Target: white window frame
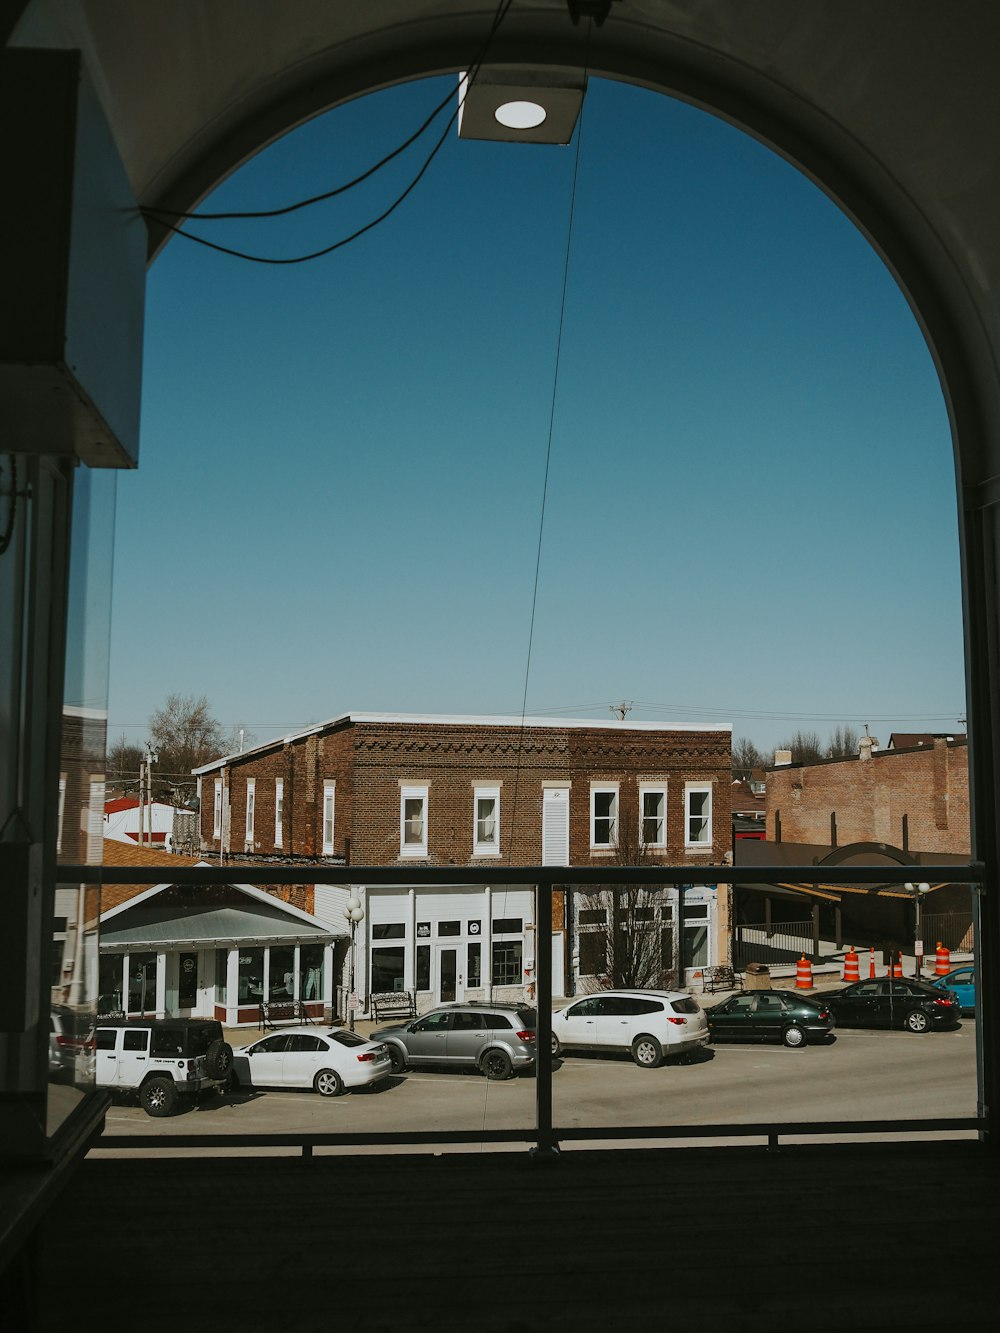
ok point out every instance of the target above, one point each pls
(250, 811)
(279, 810)
(217, 810)
(651, 789)
(412, 793)
(597, 789)
(480, 847)
(329, 827)
(696, 789)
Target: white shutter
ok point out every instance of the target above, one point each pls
(555, 826)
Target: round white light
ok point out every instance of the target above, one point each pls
(351, 904)
(520, 115)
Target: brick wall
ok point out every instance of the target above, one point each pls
(869, 798)
(370, 760)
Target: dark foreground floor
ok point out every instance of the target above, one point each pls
(722, 1239)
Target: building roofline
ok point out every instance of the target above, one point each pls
(462, 720)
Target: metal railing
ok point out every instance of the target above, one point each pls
(544, 1135)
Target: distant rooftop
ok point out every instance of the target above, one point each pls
(466, 720)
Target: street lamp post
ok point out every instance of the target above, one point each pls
(354, 913)
(918, 891)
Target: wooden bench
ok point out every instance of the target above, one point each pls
(393, 1004)
(721, 978)
(273, 1012)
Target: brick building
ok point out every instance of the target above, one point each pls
(906, 805)
(913, 797)
(412, 790)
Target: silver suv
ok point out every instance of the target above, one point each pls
(162, 1059)
(494, 1038)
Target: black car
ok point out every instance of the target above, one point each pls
(770, 1015)
(894, 1002)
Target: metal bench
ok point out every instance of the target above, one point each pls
(273, 1012)
(393, 1004)
(721, 978)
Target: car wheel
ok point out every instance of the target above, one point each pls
(397, 1060)
(647, 1052)
(916, 1021)
(496, 1064)
(793, 1036)
(328, 1083)
(218, 1059)
(158, 1097)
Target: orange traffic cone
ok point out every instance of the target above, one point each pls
(943, 961)
(803, 974)
(871, 963)
(897, 967)
(851, 972)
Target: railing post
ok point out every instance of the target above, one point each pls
(546, 1145)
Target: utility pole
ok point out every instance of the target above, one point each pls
(621, 709)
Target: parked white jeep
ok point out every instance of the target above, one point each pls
(162, 1059)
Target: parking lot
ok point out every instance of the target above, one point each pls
(859, 1075)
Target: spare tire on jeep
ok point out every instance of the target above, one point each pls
(219, 1059)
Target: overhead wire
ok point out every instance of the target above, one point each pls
(162, 216)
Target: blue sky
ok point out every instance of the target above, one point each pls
(751, 509)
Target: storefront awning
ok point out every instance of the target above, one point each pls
(164, 928)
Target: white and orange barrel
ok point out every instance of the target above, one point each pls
(942, 963)
(897, 966)
(851, 972)
(803, 974)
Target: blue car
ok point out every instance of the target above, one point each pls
(961, 980)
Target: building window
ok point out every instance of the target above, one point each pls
(394, 930)
(696, 935)
(279, 810)
(653, 806)
(449, 928)
(387, 969)
(593, 953)
(413, 821)
(312, 962)
(329, 795)
(486, 835)
(222, 976)
(508, 925)
(507, 963)
(250, 976)
(604, 816)
(475, 968)
(251, 798)
(698, 816)
(423, 967)
(217, 810)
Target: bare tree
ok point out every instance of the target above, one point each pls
(185, 735)
(746, 757)
(806, 747)
(625, 940)
(122, 766)
(844, 740)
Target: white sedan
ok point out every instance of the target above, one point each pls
(329, 1060)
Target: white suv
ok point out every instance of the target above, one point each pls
(651, 1024)
(162, 1059)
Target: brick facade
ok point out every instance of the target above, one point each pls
(370, 758)
(915, 799)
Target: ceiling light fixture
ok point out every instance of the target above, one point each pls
(520, 115)
(520, 104)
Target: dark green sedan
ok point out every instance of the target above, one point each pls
(770, 1015)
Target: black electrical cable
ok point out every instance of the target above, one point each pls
(162, 216)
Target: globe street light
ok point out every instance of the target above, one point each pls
(918, 891)
(354, 913)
